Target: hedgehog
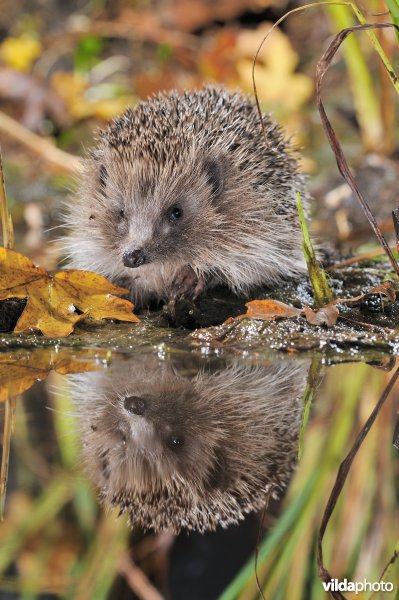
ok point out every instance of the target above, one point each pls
(196, 451)
(183, 192)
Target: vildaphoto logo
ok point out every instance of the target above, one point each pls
(335, 585)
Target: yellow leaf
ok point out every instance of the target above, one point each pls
(20, 52)
(277, 53)
(74, 88)
(53, 299)
(276, 81)
(274, 87)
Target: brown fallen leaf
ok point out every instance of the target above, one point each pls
(268, 310)
(386, 289)
(327, 315)
(53, 299)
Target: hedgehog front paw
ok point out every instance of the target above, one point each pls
(186, 282)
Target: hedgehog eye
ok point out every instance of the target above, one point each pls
(175, 442)
(174, 213)
(103, 176)
(121, 214)
(214, 176)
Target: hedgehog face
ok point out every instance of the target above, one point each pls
(155, 213)
(186, 180)
(190, 452)
(152, 439)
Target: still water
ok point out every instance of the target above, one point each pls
(158, 474)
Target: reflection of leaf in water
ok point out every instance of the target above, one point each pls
(53, 299)
(19, 372)
(314, 380)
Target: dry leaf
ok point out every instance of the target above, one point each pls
(20, 52)
(327, 315)
(268, 310)
(84, 101)
(277, 82)
(387, 289)
(53, 299)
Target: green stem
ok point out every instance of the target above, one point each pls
(6, 222)
(321, 290)
(364, 96)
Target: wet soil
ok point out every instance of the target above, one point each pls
(365, 330)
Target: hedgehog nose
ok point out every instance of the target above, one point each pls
(133, 258)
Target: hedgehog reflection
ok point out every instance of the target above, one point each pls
(195, 451)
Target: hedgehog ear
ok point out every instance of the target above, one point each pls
(214, 172)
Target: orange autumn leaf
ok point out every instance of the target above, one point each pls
(54, 298)
(268, 310)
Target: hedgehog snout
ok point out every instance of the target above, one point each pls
(134, 258)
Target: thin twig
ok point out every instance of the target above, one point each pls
(276, 24)
(138, 580)
(321, 69)
(391, 561)
(9, 415)
(340, 481)
(359, 258)
(58, 159)
(377, 328)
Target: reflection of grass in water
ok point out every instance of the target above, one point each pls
(362, 533)
(61, 543)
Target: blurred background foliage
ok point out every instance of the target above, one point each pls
(68, 67)
(65, 69)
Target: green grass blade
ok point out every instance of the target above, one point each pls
(363, 88)
(393, 7)
(5, 217)
(318, 278)
(54, 497)
(311, 386)
(287, 520)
